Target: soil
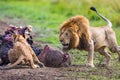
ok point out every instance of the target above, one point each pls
(47, 73)
(3, 26)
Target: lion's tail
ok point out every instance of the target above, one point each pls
(109, 23)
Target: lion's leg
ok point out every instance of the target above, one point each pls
(37, 60)
(10, 56)
(32, 64)
(104, 52)
(116, 49)
(17, 62)
(90, 54)
(14, 64)
(118, 55)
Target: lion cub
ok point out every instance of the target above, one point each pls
(21, 52)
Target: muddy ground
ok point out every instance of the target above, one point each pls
(64, 73)
(26, 73)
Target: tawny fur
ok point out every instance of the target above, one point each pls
(78, 26)
(77, 33)
(22, 52)
(104, 37)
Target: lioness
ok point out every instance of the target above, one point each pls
(76, 33)
(21, 52)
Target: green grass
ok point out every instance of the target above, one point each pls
(49, 15)
(46, 16)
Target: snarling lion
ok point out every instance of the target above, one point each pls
(76, 33)
(21, 52)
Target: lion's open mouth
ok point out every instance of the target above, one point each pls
(65, 45)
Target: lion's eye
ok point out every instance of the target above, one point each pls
(66, 34)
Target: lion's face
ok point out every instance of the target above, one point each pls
(18, 37)
(74, 33)
(65, 38)
(68, 38)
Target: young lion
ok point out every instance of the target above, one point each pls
(21, 52)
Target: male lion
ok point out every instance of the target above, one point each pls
(21, 52)
(76, 33)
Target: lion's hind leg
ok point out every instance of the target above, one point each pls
(37, 60)
(14, 64)
(12, 56)
(117, 50)
(32, 63)
(104, 52)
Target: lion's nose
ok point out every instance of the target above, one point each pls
(61, 40)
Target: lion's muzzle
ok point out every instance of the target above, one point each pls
(65, 45)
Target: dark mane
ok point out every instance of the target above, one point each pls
(83, 44)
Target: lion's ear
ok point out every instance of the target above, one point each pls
(15, 37)
(25, 36)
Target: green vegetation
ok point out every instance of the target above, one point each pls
(46, 16)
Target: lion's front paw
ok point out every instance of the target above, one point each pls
(35, 66)
(90, 65)
(42, 65)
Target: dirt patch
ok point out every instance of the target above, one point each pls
(74, 72)
(3, 26)
(26, 73)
